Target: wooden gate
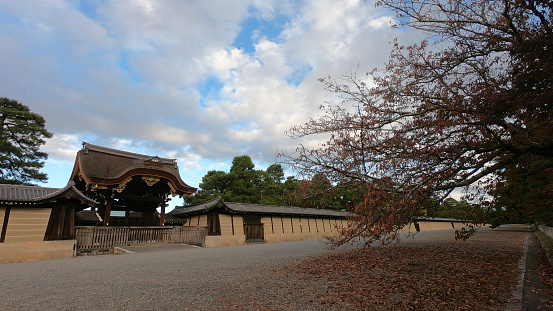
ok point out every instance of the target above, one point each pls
(254, 232)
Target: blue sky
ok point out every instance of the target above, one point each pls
(198, 81)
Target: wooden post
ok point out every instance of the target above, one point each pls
(5, 224)
(70, 220)
(162, 214)
(152, 215)
(61, 223)
(107, 212)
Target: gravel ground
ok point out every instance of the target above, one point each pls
(249, 277)
(181, 278)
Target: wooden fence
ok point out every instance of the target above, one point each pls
(101, 238)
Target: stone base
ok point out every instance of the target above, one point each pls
(31, 251)
(220, 240)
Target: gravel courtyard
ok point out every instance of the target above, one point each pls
(249, 277)
(179, 277)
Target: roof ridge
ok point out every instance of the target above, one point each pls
(219, 198)
(286, 206)
(27, 187)
(128, 154)
(37, 194)
(70, 186)
(258, 208)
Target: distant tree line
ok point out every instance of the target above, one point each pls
(245, 184)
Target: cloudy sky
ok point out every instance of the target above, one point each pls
(199, 81)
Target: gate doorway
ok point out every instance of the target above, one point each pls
(254, 233)
(253, 229)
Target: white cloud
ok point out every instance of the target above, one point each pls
(146, 6)
(121, 144)
(128, 73)
(223, 61)
(62, 148)
(382, 22)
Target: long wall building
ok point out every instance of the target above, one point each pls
(232, 223)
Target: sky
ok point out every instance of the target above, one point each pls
(197, 81)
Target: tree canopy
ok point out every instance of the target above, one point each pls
(469, 107)
(22, 133)
(243, 183)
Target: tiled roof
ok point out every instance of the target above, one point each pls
(247, 208)
(23, 193)
(87, 147)
(109, 167)
(438, 219)
(190, 209)
(283, 210)
(37, 195)
(170, 219)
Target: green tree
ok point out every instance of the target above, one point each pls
(214, 184)
(525, 194)
(320, 192)
(241, 184)
(244, 184)
(451, 208)
(291, 188)
(22, 133)
(275, 173)
(273, 187)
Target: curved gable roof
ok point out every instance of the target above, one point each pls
(109, 167)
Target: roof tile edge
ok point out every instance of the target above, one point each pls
(128, 154)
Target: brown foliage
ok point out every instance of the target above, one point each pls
(475, 275)
(462, 109)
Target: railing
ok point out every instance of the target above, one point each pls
(101, 238)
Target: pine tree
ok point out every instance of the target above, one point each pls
(22, 133)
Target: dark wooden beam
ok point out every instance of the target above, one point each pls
(162, 215)
(5, 224)
(61, 222)
(71, 222)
